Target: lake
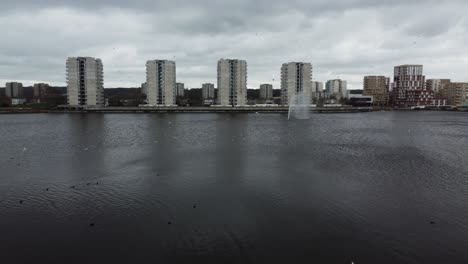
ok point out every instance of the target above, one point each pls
(380, 187)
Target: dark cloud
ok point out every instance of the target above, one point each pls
(347, 38)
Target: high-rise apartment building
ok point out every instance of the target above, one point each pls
(378, 87)
(208, 91)
(409, 86)
(85, 81)
(266, 91)
(161, 81)
(14, 89)
(232, 82)
(337, 88)
(180, 89)
(296, 83)
(40, 90)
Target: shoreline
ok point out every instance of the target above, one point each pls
(199, 110)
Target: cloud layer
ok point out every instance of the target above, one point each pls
(345, 39)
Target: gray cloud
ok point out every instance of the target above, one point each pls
(346, 39)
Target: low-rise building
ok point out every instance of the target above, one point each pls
(18, 101)
(358, 98)
(208, 102)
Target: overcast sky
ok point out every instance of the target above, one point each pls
(344, 39)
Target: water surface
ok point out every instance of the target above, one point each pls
(234, 188)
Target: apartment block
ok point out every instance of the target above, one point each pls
(161, 82)
(40, 90)
(14, 89)
(180, 89)
(337, 88)
(409, 86)
(378, 87)
(208, 91)
(266, 91)
(317, 91)
(232, 82)
(296, 83)
(459, 95)
(85, 81)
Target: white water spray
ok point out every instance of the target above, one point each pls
(299, 106)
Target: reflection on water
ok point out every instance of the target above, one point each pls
(386, 187)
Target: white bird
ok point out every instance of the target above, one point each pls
(24, 149)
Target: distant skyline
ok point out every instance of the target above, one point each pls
(342, 39)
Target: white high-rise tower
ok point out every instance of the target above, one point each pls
(232, 82)
(161, 82)
(296, 81)
(85, 81)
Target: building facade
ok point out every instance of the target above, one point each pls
(232, 82)
(266, 91)
(317, 91)
(144, 88)
(358, 98)
(378, 87)
(208, 91)
(441, 89)
(161, 82)
(180, 89)
(18, 101)
(14, 89)
(40, 90)
(337, 88)
(296, 83)
(317, 87)
(409, 86)
(85, 81)
(437, 85)
(459, 96)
